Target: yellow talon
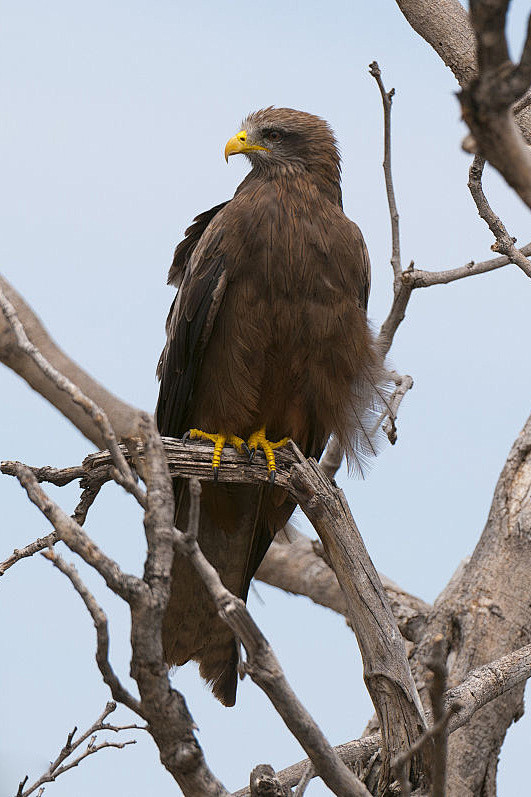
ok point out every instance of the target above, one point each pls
(220, 440)
(259, 440)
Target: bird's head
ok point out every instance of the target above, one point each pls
(283, 140)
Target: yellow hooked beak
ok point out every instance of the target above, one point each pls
(239, 143)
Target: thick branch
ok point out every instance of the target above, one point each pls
(386, 669)
(482, 686)
(484, 614)
(300, 566)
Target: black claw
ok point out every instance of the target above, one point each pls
(272, 478)
(246, 449)
(252, 452)
(216, 471)
(186, 436)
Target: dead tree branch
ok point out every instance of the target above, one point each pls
(118, 692)
(263, 783)
(487, 100)
(386, 669)
(263, 666)
(57, 767)
(504, 242)
(55, 476)
(387, 101)
(481, 687)
(483, 615)
(300, 566)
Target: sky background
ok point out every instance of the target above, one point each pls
(115, 116)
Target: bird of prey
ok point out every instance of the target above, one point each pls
(267, 339)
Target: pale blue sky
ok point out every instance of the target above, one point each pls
(114, 120)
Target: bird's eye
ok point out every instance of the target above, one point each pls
(274, 136)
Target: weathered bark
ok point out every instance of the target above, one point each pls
(445, 25)
(483, 614)
(299, 565)
(385, 666)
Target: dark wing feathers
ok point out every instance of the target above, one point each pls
(184, 250)
(201, 285)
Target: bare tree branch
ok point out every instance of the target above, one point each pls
(386, 669)
(88, 496)
(57, 767)
(77, 540)
(118, 691)
(424, 279)
(437, 665)
(304, 781)
(263, 783)
(390, 414)
(263, 666)
(387, 101)
(504, 241)
(481, 686)
(487, 100)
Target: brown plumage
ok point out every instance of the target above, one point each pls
(269, 329)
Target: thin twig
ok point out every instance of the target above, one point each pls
(88, 496)
(387, 101)
(56, 768)
(479, 688)
(504, 242)
(126, 586)
(390, 414)
(419, 278)
(118, 691)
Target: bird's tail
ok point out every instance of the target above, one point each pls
(237, 525)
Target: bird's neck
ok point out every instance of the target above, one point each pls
(326, 180)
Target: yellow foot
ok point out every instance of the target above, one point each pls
(220, 440)
(259, 440)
